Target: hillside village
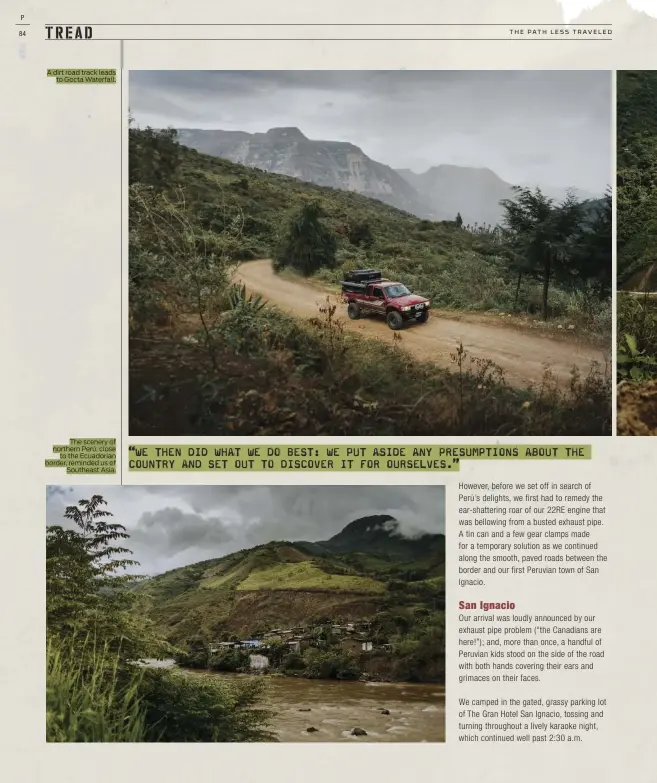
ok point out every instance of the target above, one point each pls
(354, 638)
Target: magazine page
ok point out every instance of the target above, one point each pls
(325, 333)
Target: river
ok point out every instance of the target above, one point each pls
(417, 712)
(334, 709)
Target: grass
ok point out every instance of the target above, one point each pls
(283, 376)
(91, 697)
(88, 699)
(307, 576)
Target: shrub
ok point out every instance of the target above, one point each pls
(309, 244)
(333, 664)
(200, 708)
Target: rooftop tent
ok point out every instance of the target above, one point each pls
(363, 276)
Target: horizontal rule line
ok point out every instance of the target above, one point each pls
(332, 24)
(514, 38)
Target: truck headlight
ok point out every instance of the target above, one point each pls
(406, 309)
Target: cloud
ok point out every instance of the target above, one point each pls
(543, 127)
(173, 526)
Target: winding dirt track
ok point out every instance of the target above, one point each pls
(522, 356)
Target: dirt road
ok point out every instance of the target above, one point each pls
(522, 356)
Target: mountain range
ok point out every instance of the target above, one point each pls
(367, 568)
(440, 193)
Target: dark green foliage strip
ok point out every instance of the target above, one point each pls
(637, 224)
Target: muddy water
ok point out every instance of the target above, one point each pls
(417, 712)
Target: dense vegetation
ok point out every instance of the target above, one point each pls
(637, 175)
(637, 232)
(95, 689)
(409, 647)
(252, 370)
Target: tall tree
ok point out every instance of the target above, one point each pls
(591, 259)
(544, 232)
(86, 582)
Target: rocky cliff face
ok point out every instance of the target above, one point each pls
(333, 164)
(438, 194)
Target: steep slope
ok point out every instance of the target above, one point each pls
(637, 174)
(268, 201)
(333, 164)
(287, 584)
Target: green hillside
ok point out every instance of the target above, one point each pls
(284, 584)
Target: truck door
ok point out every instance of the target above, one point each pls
(378, 300)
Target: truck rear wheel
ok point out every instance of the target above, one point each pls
(423, 317)
(394, 319)
(353, 311)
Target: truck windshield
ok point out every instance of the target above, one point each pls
(396, 290)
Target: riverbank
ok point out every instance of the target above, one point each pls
(330, 710)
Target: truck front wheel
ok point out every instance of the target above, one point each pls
(423, 317)
(394, 319)
(353, 311)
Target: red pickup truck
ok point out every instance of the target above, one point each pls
(366, 291)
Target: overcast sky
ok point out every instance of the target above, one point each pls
(546, 127)
(174, 526)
